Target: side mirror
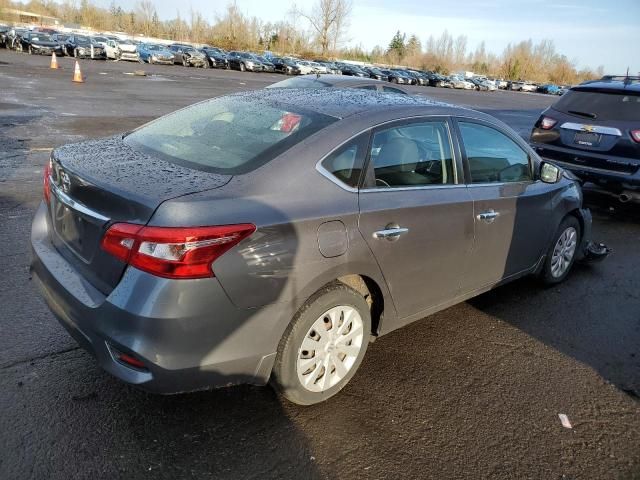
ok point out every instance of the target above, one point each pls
(549, 173)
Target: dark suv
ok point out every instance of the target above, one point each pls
(594, 131)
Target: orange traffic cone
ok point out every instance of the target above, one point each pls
(54, 61)
(77, 74)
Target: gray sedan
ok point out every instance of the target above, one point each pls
(268, 236)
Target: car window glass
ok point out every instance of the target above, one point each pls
(346, 162)
(493, 156)
(414, 154)
(393, 90)
(367, 87)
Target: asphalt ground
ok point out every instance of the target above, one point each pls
(471, 392)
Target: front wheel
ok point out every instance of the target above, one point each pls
(323, 346)
(243, 68)
(562, 252)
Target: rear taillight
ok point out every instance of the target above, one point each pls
(46, 182)
(173, 252)
(635, 135)
(547, 123)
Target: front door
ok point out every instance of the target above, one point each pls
(509, 206)
(414, 215)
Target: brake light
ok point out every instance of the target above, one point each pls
(547, 123)
(173, 252)
(635, 134)
(46, 182)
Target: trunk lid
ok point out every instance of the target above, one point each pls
(97, 183)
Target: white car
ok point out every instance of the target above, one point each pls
(112, 49)
(528, 87)
(128, 50)
(461, 83)
(304, 66)
(319, 68)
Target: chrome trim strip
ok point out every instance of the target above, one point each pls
(77, 206)
(580, 127)
(585, 168)
(435, 186)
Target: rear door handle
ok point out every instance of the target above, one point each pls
(390, 232)
(488, 216)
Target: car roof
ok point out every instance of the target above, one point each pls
(611, 84)
(342, 103)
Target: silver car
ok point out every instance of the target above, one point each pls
(269, 236)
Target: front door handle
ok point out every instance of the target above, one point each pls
(488, 216)
(391, 232)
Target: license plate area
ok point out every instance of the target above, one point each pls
(75, 231)
(587, 139)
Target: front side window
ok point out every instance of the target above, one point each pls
(492, 156)
(414, 154)
(228, 135)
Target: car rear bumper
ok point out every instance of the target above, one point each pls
(188, 334)
(597, 168)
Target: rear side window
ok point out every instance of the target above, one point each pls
(492, 156)
(345, 163)
(228, 135)
(600, 106)
(412, 155)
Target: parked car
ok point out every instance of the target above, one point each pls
(267, 65)
(395, 77)
(594, 131)
(82, 46)
(461, 83)
(244, 61)
(352, 70)
(548, 89)
(216, 56)
(192, 57)
(528, 87)
(13, 37)
(128, 50)
(152, 53)
(4, 31)
(331, 67)
(304, 67)
(60, 39)
(37, 43)
(216, 277)
(338, 81)
(376, 73)
(419, 78)
(286, 66)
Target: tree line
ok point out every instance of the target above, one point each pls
(320, 31)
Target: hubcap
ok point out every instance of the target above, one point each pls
(563, 252)
(330, 348)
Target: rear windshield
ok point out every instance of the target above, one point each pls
(600, 106)
(300, 82)
(227, 135)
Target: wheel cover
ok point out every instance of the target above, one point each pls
(330, 348)
(563, 252)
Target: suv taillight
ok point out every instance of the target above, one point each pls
(46, 182)
(547, 123)
(635, 135)
(173, 252)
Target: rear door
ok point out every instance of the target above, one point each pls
(510, 207)
(414, 214)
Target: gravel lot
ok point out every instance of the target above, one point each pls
(471, 392)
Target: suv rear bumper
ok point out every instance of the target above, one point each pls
(188, 333)
(619, 171)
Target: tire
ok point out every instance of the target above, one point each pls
(205, 64)
(324, 311)
(551, 273)
(184, 62)
(75, 53)
(243, 68)
(151, 61)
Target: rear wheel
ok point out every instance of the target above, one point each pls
(323, 346)
(562, 252)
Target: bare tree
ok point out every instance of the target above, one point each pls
(329, 19)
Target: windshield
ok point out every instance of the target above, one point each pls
(153, 47)
(600, 106)
(40, 37)
(100, 39)
(227, 135)
(81, 39)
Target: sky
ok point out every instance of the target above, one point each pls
(590, 32)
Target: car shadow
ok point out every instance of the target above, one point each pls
(593, 315)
